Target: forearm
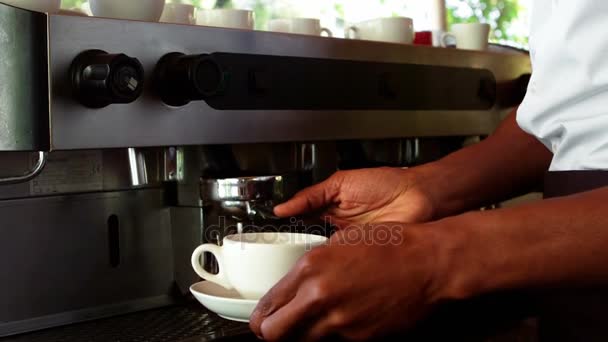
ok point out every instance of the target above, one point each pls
(508, 163)
(553, 243)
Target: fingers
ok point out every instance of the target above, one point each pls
(310, 199)
(291, 320)
(276, 298)
(323, 330)
(305, 322)
(280, 295)
(282, 307)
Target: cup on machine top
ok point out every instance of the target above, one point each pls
(468, 36)
(393, 30)
(144, 10)
(228, 18)
(178, 14)
(307, 26)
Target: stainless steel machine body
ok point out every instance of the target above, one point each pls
(108, 225)
(149, 122)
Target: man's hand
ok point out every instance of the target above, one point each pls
(364, 196)
(507, 164)
(365, 283)
(361, 286)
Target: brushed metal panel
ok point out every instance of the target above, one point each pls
(65, 167)
(148, 122)
(24, 94)
(187, 224)
(55, 256)
(187, 219)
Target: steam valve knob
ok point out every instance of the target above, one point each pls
(182, 78)
(100, 79)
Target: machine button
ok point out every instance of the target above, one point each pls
(100, 79)
(259, 81)
(387, 87)
(487, 91)
(182, 78)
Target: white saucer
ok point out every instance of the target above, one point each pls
(227, 304)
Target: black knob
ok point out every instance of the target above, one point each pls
(182, 78)
(100, 79)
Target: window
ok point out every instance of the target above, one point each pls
(509, 18)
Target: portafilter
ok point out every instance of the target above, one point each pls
(249, 198)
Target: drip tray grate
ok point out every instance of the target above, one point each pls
(190, 322)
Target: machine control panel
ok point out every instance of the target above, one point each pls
(232, 81)
(100, 78)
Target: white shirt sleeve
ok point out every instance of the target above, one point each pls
(567, 102)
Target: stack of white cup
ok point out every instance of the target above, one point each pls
(306, 26)
(176, 13)
(392, 29)
(144, 10)
(229, 18)
(179, 14)
(469, 36)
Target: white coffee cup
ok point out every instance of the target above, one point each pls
(470, 36)
(307, 26)
(178, 14)
(393, 29)
(143, 10)
(252, 263)
(48, 6)
(230, 18)
(443, 39)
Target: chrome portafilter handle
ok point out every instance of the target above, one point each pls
(249, 198)
(248, 210)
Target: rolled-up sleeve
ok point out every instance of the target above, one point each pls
(566, 106)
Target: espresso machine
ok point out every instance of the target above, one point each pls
(124, 145)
